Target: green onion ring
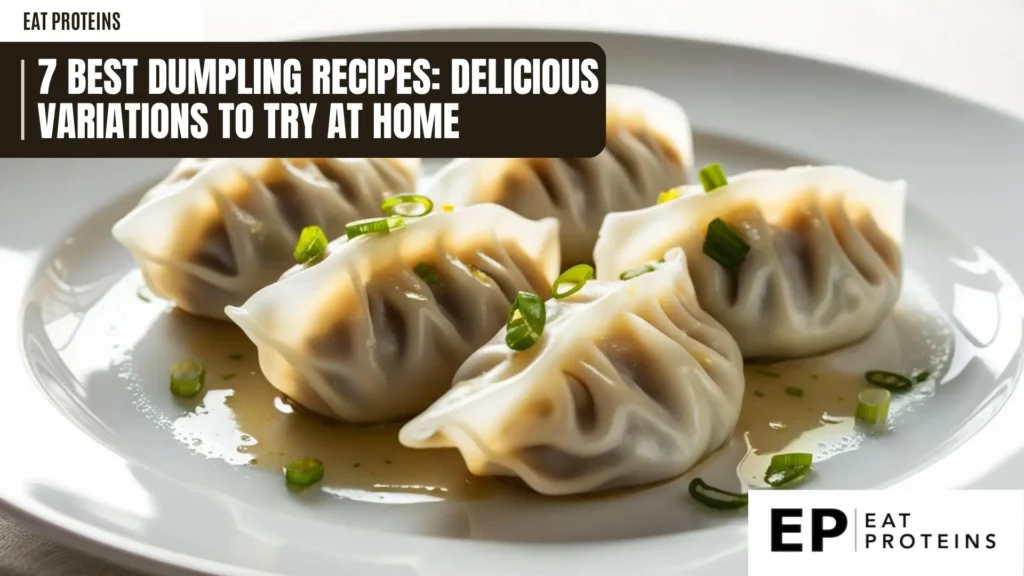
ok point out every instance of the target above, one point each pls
(638, 271)
(187, 378)
(716, 498)
(890, 380)
(312, 245)
(873, 407)
(391, 205)
(788, 469)
(577, 276)
(712, 176)
(373, 226)
(724, 245)
(526, 321)
(302, 474)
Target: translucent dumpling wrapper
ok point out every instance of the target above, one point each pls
(648, 150)
(824, 267)
(630, 383)
(216, 230)
(375, 331)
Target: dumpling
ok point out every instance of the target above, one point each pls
(630, 383)
(375, 331)
(824, 263)
(216, 230)
(648, 149)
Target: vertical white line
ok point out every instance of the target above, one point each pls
(23, 100)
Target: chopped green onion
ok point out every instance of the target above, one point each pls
(356, 465)
(758, 393)
(788, 469)
(889, 380)
(228, 376)
(712, 176)
(235, 356)
(525, 321)
(639, 271)
(427, 273)
(143, 295)
(302, 474)
(768, 373)
(312, 245)
(187, 378)
(716, 498)
(873, 407)
(394, 206)
(667, 196)
(921, 376)
(448, 208)
(795, 391)
(577, 276)
(724, 245)
(373, 226)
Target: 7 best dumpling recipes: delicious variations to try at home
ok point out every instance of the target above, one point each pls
(444, 312)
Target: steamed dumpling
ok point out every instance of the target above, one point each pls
(648, 150)
(216, 230)
(630, 383)
(375, 331)
(824, 267)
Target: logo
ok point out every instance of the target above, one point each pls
(818, 530)
(887, 532)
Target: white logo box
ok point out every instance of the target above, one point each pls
(887, 532)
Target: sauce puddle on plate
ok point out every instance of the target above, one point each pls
(797, 406)
(242, 419)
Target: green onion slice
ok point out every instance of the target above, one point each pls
(667, 196)
(302, 474)
(448, 207)
(525, 321)
(921, 376)
(890, 380)
(639, 271)
(410, 205)
(373, 226)
(312, 245)
(724, 245)
(187, 378)
(788, 469)
(712, 176)
(577, 276)
(873, 406)
(427, 273)
(795, 391)
(715, 497)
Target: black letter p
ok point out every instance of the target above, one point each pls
(818, 532)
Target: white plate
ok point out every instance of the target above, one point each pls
(88, 433)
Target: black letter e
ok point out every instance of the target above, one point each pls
(779, 528)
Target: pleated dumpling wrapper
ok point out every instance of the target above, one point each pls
(630, 383)
(217, 230)
(824, 266)
(648, 149)
(375, 331)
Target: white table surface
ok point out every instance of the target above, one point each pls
(973, 48)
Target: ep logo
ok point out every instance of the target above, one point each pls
(822, 523)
